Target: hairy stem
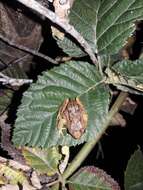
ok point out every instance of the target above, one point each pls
(86, 149)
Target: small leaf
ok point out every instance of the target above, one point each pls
(36, 121)
(43, 160)
(92, 178)
(134, 172)
(5, 99)
(132, 70)
(128, 74)
(105, 25)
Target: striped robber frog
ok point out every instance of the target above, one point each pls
(73, 117)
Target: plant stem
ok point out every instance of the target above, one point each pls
(86, 149)
(53, 183)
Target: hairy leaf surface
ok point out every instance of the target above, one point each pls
(37, 115)
(92, 178)
(105, 24)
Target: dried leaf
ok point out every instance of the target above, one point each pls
(9, 187)
(13, 176)
(5, 99)
(118, 120)
(62, 9)
(35, 180)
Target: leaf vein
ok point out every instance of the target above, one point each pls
(113, 22)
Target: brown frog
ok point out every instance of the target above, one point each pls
(73, 117)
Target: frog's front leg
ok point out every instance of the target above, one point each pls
(61, 126)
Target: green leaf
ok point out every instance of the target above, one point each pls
(36, 117)
(5, 99)
(132, 70)
(127, 73)
(105, 25)
(138, 186)
(134, 172)
(43, 160)
(92, 178)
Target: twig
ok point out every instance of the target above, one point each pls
(52, 183)
(12, 81)
(28, 50)
(34, 5)
(7, 145)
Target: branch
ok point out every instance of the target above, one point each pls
(34, 5)
(26, 49)
(12, 81)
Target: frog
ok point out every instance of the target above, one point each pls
(72, 117)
